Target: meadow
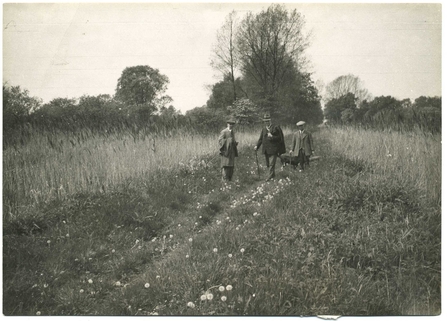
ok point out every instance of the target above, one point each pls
(144, 226)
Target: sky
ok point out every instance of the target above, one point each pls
(73, 49)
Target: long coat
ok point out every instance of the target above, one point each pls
(227, 147)
(302, 140)
(271, 145)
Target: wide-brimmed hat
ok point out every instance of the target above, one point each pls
(231, 121)
(266, 117)
(300, 123)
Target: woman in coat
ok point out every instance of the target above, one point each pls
(228, 150)
(302, 145)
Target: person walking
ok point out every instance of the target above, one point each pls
(302, 145)
(228, 150)
(272, 141)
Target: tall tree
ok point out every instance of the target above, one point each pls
(269, 44)
(347, 84)
(223, 55)
(140, 85)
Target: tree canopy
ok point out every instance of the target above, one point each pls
(140, 85)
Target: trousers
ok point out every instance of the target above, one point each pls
(271, 165)
(227, 173)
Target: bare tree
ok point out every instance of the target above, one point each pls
(223, 56)
(269, 44)
(344, 85)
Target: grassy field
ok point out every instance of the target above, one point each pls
(357, 233)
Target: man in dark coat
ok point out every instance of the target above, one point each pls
(272, 141)
(302, 145)
(228, 150)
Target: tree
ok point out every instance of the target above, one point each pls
(344, 85)
(223, 53)
(222, 93)
(268, 45)
(339, 110)
(140, 85)
(423, 102)
(17, 105)
(205, 119)
(245, 111)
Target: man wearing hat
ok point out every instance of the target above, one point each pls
(228, 150)
(302, 145)
(272, 140)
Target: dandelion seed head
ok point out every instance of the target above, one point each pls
(171, 236)
(215, 250)
(203, 297)
(221, 288)
(191, 305)
(81, 291)
(187, 256)
(38, 313)
(190, 239)
(209, 296)
(229, 287)
(230, 255)
(223, 298)
(147, 285)
(90, 281)
(242, 250)
(118, 283)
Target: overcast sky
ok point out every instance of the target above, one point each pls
(68, 50)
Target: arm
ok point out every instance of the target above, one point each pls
(222, 139)
(276, 135)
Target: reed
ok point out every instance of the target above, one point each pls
(412, 158)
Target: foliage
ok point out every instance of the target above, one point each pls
(340, 110)
(245, 111)
(386, 112)
(224, 57)
(205, 119)
(268, 45)
(17, 105)
(223, 93)
(343, 85)
(140, 85)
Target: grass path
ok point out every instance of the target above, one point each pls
(335, 239)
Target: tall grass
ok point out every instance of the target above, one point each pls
(344, 237)
(412, 158)
(54, 166)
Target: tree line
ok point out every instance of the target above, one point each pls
(349, 103)
(260, 59)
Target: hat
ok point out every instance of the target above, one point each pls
(231, 121)
(266, 117)
(300, 123)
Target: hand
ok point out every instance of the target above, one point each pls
(291, 151)
(256, 147)
(270, 135)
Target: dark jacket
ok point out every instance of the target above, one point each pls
(227, 147)
(272, 145)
